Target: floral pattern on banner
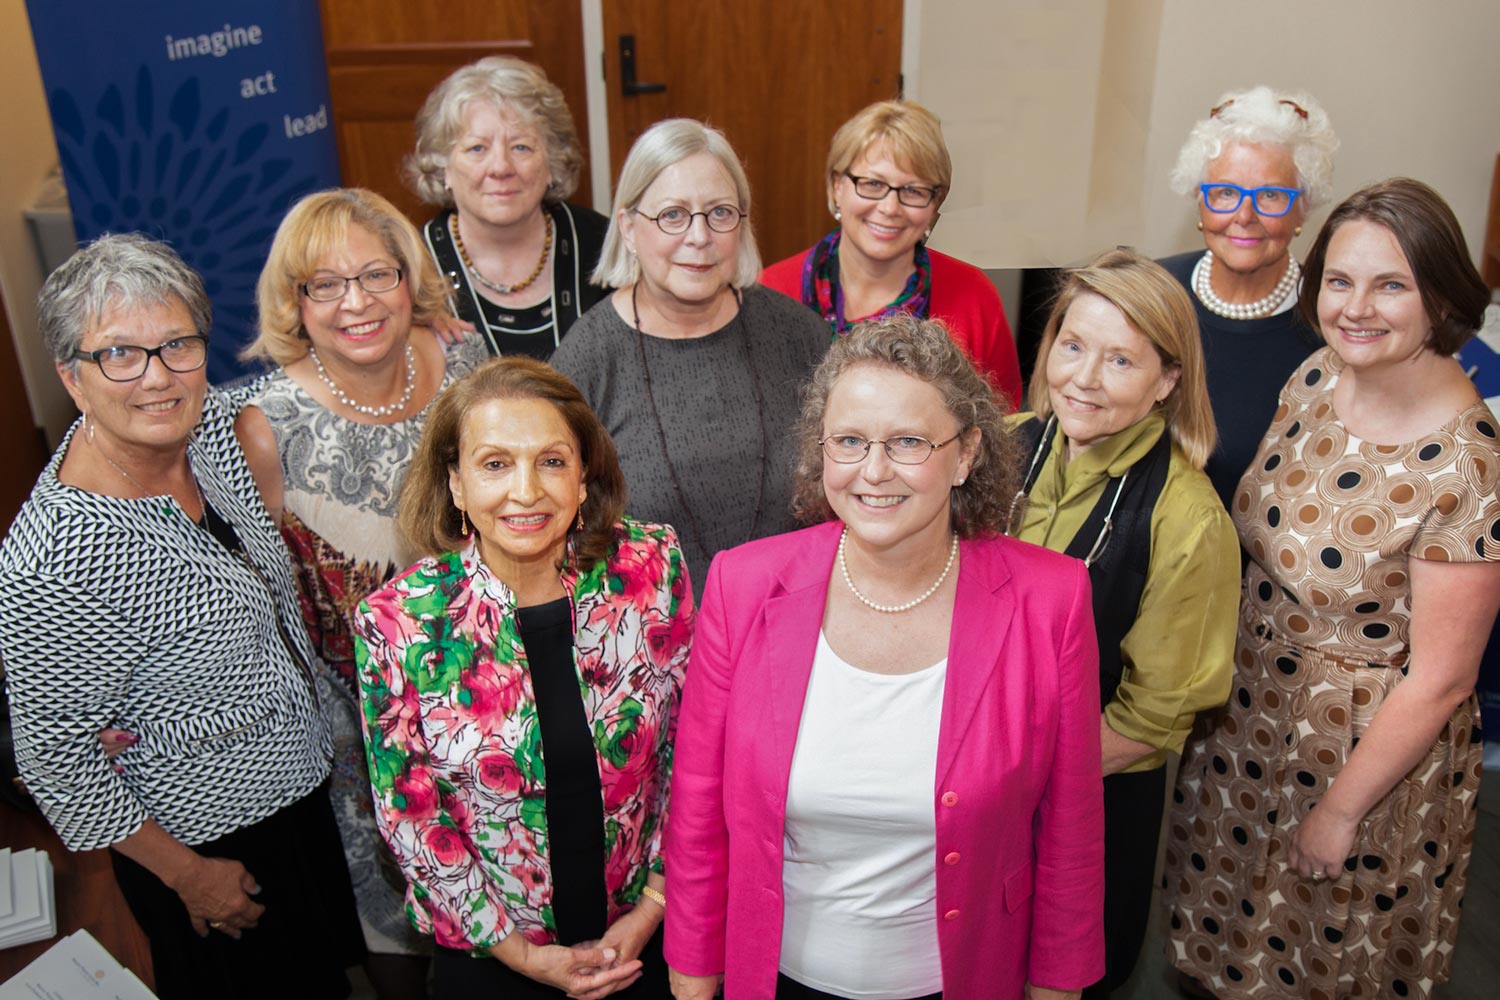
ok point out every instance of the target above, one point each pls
(455, 748)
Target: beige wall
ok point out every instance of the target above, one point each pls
(1065, 116)
(26, 138)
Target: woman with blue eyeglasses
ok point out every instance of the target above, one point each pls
(1256, 165)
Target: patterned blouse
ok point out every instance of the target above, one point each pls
(122, 612)
(456, 760)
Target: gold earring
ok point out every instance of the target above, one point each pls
(1297, 231)
(579, 523)
(463, 520)
(1200, 225)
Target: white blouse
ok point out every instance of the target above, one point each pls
(859, 870)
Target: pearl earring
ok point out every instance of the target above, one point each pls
(1200, 225)
(1297, 231)
(838, 215)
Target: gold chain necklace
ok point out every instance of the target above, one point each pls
(499, 289)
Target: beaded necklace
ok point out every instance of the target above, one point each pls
(891, 609)
(1260, 308)
(499, 289)
(369, 411)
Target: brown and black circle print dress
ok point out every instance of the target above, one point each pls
(1329, 522)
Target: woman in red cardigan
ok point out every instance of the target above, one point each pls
(888, 173)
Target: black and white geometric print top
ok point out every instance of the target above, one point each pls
(125, 613)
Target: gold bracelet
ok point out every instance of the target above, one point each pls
(655, 896)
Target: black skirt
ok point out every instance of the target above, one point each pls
(300, 947)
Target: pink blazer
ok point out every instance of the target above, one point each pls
(1017, 795)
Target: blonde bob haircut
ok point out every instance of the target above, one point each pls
(663, 144)
(923, 349)
(913, 134)
(510, 85)
(426, 514)
(315, 229)
(1158, 308)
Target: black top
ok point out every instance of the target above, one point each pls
(1247, 361)
(577, 239)
(575, 797)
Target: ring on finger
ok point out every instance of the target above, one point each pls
(216, 924)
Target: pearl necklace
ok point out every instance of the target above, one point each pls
(1259, 309)
(891, 609)
(499, 289)
(369, 411)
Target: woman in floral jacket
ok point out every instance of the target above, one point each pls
(520, 689)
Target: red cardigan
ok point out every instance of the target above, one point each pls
(962, 298)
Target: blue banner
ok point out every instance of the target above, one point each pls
(196, 121)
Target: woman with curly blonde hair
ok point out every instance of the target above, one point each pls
(887, 778)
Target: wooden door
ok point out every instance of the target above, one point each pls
(385, 56)
(777, 76)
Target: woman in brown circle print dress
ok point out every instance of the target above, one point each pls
(1320, 835)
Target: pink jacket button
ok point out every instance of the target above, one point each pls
(951, 915)
(951, 859)
(950, 798)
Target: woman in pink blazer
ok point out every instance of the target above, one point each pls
(887, 774)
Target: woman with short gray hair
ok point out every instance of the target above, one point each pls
(1255, 166)
(148, 591)
(497, 152)
(692, 366)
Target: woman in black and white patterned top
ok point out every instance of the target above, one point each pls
(147, 590)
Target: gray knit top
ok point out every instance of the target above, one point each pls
(705, 397)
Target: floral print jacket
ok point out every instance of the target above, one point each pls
(455, 749)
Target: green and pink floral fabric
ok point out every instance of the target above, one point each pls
(455, 749)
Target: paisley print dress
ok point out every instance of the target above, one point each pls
(1329, 522)
(342, 480)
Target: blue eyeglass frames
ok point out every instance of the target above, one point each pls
(1269, 201)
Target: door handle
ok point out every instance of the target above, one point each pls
(628, 84)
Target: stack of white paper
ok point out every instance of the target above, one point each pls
(27, 912)
(75, 968)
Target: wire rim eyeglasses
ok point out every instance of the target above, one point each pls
(910, 195)
(128, 362)
(907, 449)
(332, 287)
(676, 221)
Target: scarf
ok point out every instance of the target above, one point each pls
(821, 291)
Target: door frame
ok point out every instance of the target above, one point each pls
(598, 97)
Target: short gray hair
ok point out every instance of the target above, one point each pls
(116, 271)
(507, 83)
(660, 146)
(1262, 116)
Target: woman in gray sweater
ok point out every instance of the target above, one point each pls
(693, 367)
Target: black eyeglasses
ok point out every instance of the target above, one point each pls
(127, 362)
(331, 287)
(908, 449)
(910, 195)
(676, 221)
